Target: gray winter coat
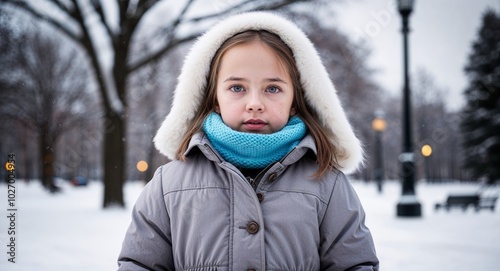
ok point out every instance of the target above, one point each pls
(202, 214)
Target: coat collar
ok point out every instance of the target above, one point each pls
(201, 142)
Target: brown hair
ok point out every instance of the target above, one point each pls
(325, 149)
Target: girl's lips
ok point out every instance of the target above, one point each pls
(254, 124)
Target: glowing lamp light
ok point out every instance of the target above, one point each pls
(379, 124)
(405, 6)
(426, 150)
(142, 166)
(9, 166)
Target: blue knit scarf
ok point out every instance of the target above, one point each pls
(251, 150)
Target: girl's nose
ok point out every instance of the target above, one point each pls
(255, 103)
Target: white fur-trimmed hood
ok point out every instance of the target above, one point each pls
(319, 91)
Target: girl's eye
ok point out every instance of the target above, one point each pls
(237, 88)
(273, 89)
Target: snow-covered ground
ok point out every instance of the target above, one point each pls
(70, 231)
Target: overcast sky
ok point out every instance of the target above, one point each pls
(442, 32)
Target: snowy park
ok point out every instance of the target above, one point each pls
(70, 230)
(85, 85)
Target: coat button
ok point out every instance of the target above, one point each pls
(272, 177)
(260, 196)
(253, 227)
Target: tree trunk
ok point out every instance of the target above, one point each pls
(47, 156)
(114, 159)
(115, 130)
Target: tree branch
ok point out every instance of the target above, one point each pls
(123, 6)
(216, 14)
(181, 15)
(30, 9)
(241, 6)
(131, 23)
(138, 64)
(160, 52)
(98, 9)
(61, 6)
(86, 42)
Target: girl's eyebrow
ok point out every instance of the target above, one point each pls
(276, 79)
(234, 78)
(241, 79)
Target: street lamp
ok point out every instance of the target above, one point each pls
(426, 152)
(379, 124)
(408, 205)
(142, 166)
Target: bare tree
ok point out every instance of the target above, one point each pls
(181, 21)
(435, 126)
(44, 89)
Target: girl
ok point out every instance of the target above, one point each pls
(258, 140)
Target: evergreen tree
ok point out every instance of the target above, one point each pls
(481, 115)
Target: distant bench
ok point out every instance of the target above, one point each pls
(487, 203)
(464, 201)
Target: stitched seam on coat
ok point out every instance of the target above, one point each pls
(168, 238)
(195, 188)
(231, 224)
(299, 192)
(336, 178)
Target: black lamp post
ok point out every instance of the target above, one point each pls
(408, 205)
(379, 124)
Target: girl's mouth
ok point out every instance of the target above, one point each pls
(254, 124)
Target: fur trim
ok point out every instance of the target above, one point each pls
(319, 90)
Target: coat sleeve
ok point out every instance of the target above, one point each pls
(147, 244)
(346, 243)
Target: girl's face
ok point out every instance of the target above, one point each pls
(254, 90)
